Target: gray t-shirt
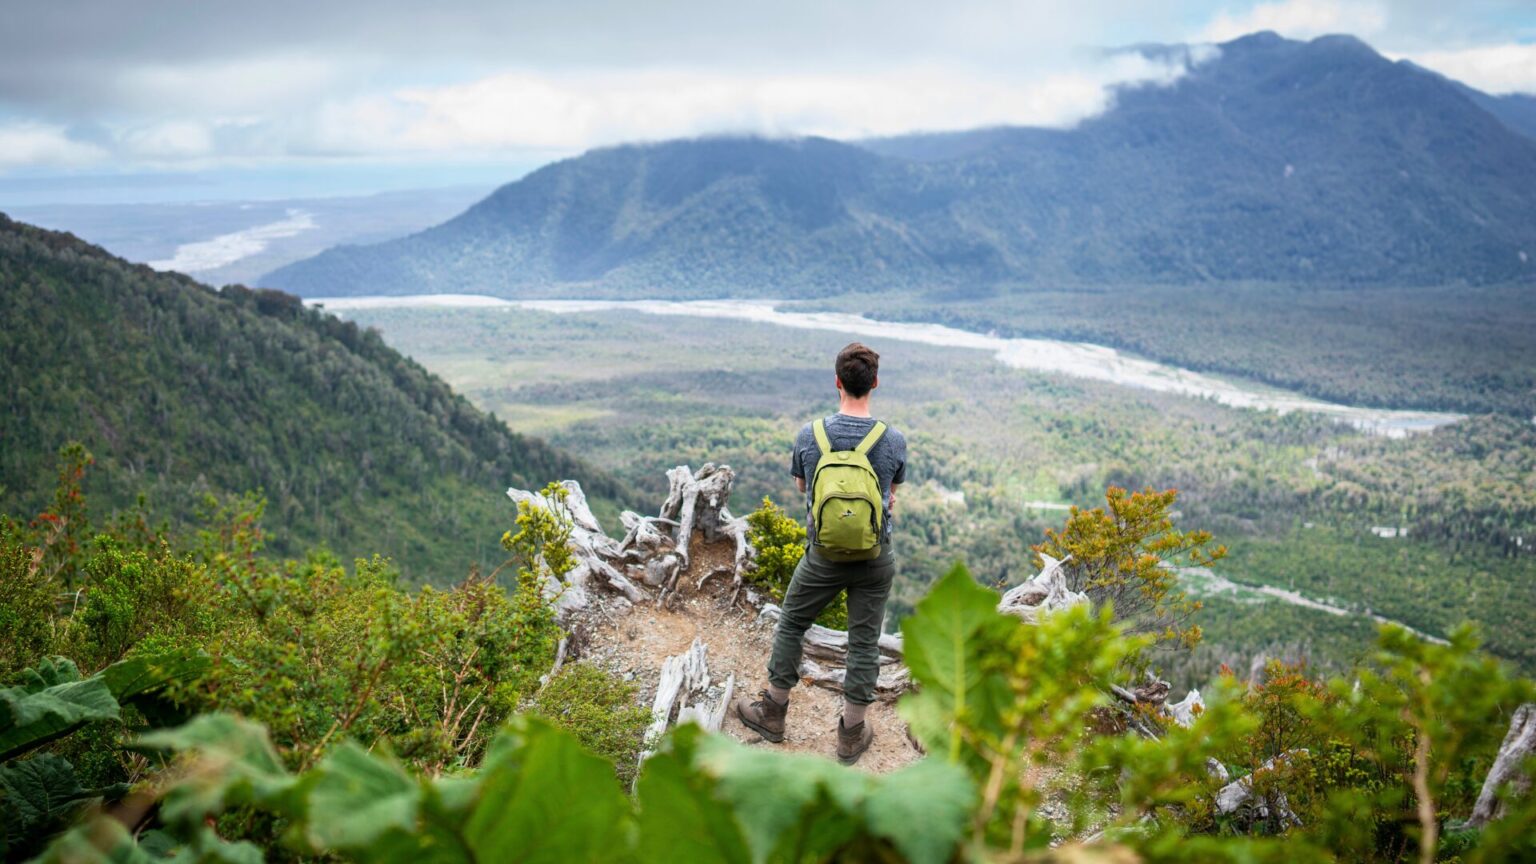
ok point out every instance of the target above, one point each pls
(888, 457)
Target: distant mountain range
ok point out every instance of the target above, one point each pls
(181, 392)
(1285, 161)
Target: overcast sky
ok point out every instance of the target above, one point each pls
(92, 88)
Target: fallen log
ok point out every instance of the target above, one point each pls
(889, 685)
(831, 645)
(1238, 798)
(1508, 771)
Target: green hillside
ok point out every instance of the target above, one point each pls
(180, 391)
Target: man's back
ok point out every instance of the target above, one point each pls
(888, 457)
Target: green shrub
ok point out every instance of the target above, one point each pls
(27, 604)
(600, 710)
(780, 544)
(321, 653)
(131, 595)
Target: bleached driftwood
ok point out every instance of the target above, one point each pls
(1508, 769)
(683, 694)
(682, 675)
(592, 549)
(889, 684)
(1238, 796)
(1217, 771)
(645, 537)
(1046, 592)
(1187, 709)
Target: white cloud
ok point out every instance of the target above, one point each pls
(1506, 68)
(23, 144)
(1300, 19)
(522, 110)
(168, 141)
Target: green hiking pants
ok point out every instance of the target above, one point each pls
(816, 583)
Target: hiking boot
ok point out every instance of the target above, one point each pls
(851, 743)
(765, 716)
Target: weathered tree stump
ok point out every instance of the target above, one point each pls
(698, 501)
(683, 694)
(1046, 592)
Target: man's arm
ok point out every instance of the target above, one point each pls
(894, 487)
(800, 483)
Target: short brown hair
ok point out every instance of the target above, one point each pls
(857, 367)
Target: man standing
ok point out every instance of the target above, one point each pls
(849, 466)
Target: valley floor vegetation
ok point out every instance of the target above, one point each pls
(1430, 530)
(1397, 347)
(189, 697)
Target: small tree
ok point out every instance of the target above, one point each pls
(62, 530)
(1127, 554)
(780, 544)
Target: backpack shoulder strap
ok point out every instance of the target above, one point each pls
(819, 429)
(871, 439)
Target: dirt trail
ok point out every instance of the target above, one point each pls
(635, 642)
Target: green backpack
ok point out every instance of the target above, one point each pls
(846, 505)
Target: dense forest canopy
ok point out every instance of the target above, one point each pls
(182, 392)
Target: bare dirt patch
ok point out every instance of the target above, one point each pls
(633, 642)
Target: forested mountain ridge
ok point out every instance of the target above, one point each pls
(1317, 162)
(180, 391)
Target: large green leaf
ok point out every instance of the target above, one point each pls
(941, 643)
(51, 702)
(769, 791)
(38, 796)
(358, 798)
(681, 818)
(923, 809)
(234, 763)
(545, 799)
(799, 807)
(98, 841)
(141, 682)
(141, 674)
(790, 806)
